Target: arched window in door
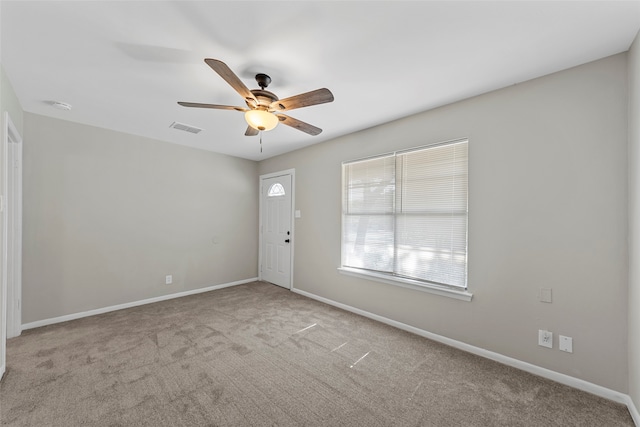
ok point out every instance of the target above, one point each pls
(276, 190)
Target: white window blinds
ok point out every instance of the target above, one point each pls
(405, 214)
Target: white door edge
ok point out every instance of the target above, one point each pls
(12, 231)
(12, 325)
(292, 173)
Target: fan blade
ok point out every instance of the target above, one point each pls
(318, 96)
(298, 124)
(251, 131)
(214, 106)
(230, 77)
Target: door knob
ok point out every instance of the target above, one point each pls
(286, 241)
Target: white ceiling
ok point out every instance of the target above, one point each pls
(124, 65)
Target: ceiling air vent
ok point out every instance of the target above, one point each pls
(186, 128)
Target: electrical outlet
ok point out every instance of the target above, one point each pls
(169, 279)
(545, 338)
(566, 344)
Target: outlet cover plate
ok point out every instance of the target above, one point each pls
(545, 338)
(169, 279)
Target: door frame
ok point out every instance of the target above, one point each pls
(292, 173)
(12, 223)
(11, 287)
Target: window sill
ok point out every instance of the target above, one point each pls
(408, 283)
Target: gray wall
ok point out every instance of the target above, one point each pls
(634, 221)
(547, 208)
(107, 215)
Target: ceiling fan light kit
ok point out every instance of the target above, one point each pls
(264, 109)
(261, 119)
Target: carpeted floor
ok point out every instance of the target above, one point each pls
(259, 355)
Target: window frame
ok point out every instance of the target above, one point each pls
(452, 291)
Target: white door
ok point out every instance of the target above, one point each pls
(276, 230)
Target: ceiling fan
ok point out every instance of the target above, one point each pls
(264, 109)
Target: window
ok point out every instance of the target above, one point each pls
(404, 216)
(276, 190)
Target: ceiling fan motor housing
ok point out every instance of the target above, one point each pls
(264, 97)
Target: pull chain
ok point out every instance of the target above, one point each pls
(260, 141)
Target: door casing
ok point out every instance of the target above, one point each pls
(11, 207)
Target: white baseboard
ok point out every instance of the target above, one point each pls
(74, 316)
(633, 410)
(505, 360)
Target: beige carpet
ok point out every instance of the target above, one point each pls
(259, 355)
